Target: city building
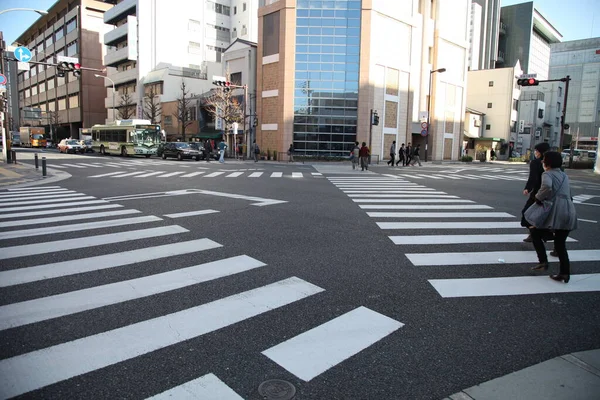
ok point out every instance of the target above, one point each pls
(324, 68)
(496, 93)
(11, 93)
(148, 66)
(526, 36)
(580, 60)
(486, 29)
(66, 104)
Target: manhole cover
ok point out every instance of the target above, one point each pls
(277, 389)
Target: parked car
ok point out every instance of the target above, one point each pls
(179, 150)
(49, 144)
(200, 147)
(70, 146)
(87, 145)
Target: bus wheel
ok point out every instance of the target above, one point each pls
(123, 151)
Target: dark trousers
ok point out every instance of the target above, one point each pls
(400, 159)
(408, 158)
(530, 201)
(392, 159)
(560, 239)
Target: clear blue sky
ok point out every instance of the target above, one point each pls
(574, 19)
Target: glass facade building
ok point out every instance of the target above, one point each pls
(326, 76)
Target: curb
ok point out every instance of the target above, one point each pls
(25, 175)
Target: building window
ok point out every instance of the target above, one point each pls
(191, 112)
(71, 49)
(559, 91)
(33, 70)
(488, 127)
(74, 101)
(157, 87)
(59, 33)
(194, 44)
(515, 105)
(234, 10)
(27, 93)
(51, 105)
(72, 24)
(236, 78)
(60, 52)
(50, 83)
(244, 30)
(168, 119)
(40, 48)
(491, 83)
(194, 25)
(540, 113)
(194, 66)
(557, 107)
(62, 103)
(34, 90)
(244, 5)
(557, 121)
(234, 33)
(42, 87)
(49, 41)
(60, 81)
(271, 34)
(489, 105)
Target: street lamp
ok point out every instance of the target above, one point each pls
(440, 70)
(113, 94)
(41, 12)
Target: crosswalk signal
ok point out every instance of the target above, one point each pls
(528, 82)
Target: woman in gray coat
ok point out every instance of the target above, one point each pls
(561, 220)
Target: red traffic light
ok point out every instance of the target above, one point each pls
(77, 66)
(531, 81)
(528, 82)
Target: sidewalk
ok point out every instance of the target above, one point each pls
(573, 376)
(23, 175)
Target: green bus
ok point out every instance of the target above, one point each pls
(127, 137)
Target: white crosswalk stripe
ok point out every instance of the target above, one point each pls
(421, 205)
(42, 366)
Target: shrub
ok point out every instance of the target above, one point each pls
(466, 159)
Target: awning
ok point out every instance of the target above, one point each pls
(472, 135)
(155, 76)
(207, 135)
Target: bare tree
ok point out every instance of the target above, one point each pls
(222, 103)
(126, 107)
(184, 102)
(54, 121)
(152, 106)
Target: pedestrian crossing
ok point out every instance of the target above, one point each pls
(205, 174)
(462, 176)
(412, 215)
(61, 241)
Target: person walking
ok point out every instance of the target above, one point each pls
(255, 151)
(364, 156)
(291, 153)
(222, 147)
(392, 154)
(207, 150)
(561, 219)
(408, 154)
(534, 181)
(415, 156)
(401, 153)
(355, 155)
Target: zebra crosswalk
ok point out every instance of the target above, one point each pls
(399, 207)
(206, 174)
(462, 176)
(61, 240)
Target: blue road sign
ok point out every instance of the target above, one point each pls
(23, 54)
(424, 132)
(2, 79)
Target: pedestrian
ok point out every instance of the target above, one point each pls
(207, 150)
(408, 154)
(222, 147)
(355, 155)
(553, 211)
(415, 156)
(401, 153)
(534, 182)
(493, 155)
(255, 150)
(392, 154)
(364, 154)
(291, 153)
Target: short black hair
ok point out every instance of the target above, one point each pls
(552, 159)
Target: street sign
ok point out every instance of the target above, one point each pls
(23, 66)
(67, 59)
(23, 54)
(424, 125)
(527, 76)
(2, 79)
(235, 128)
(424, 132)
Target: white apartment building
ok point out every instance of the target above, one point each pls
(540, 110)
(495, 92)
(160, 44)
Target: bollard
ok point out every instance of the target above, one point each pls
(44, 167)
(13, 155)
(36, 161)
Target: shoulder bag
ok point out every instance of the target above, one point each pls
(538, 213)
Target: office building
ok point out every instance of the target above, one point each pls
(324, 67)
(485, 32)
(580, 60)
(65, 104)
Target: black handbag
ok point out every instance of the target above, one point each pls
(539, 212)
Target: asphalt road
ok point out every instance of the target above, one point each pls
(318, 294)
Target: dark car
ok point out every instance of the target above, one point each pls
(179, 150)
(200, 147)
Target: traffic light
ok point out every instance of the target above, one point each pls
(225, 84)
(64, 66)
(375, 118)
(528, 82)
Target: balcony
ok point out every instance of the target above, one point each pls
(116, 35)
(121, 77)
(108, 102)
(115, 58)
(120, 11)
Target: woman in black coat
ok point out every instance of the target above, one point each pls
(534, 182)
